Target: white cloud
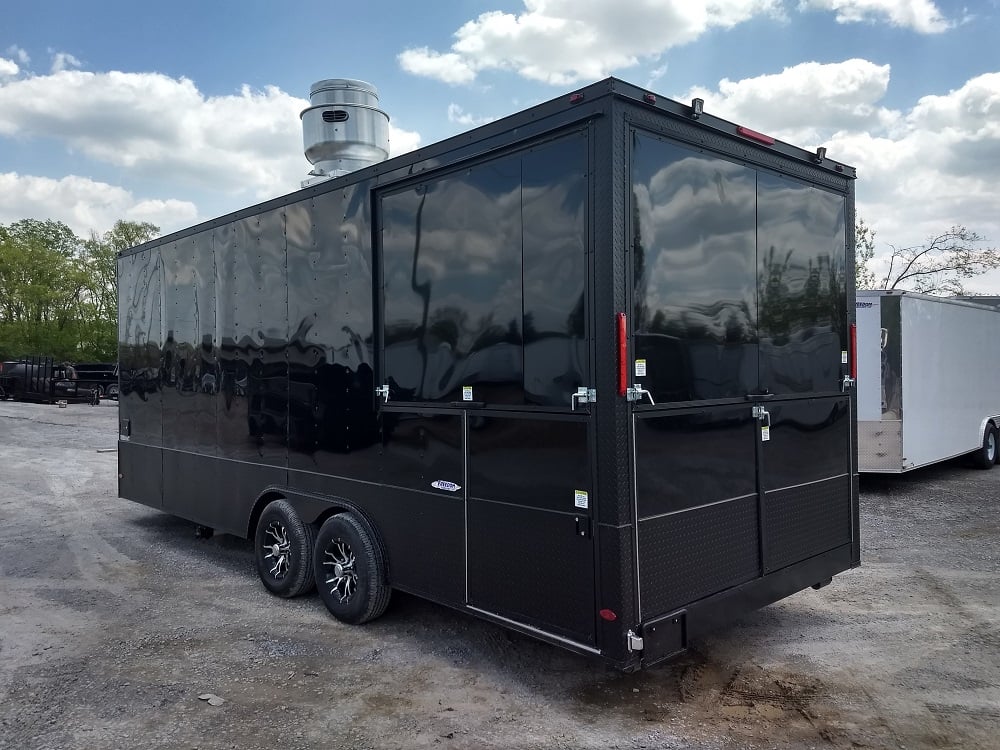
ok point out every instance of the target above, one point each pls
(165, 129)
(18, 54)
(459, 116)
(919, 15)
(8, 68)
(920, 171)
(85, 205)
(804, 103)
(64, 61)
(565, 41)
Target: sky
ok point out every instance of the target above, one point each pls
(176, 113)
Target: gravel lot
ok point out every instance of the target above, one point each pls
(114, 619)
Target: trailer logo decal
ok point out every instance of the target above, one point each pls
(581, 499)
(441, 484)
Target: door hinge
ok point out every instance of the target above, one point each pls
(634, 641)
(636, 393)
(382, 391)
(583, 395)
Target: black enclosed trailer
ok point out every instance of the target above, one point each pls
(583, 372)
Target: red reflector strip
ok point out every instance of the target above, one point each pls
(608, 614)
(622, 354)
(854, 351)
(754, 135)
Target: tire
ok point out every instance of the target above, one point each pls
(350, 570)
(283, 548)
(985, 457)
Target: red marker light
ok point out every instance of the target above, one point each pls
(649, 98)
(622, 354)
(754, 135)
(608, 614)
(854, 351)
(575, 98)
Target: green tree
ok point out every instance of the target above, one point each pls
(40, 285)
(940, 265)
(98, 312)
(864, 277)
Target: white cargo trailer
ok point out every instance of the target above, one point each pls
(927, 380)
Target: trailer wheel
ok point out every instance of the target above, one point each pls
(986, 456)
(283, 550)
(350, 570)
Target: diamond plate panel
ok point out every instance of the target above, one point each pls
(692, 554)
(803, 521)
(880, 446)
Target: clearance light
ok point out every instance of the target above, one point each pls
(622, 355)
(649, 98)
(575, 98)
(608, 614)
(755, 136)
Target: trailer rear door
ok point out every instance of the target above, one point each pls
(486, 323)
(738, 343)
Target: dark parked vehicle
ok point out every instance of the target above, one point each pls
(585, 372)
(39, 379)
(97, 376)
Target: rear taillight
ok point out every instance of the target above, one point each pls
(854, 351)
(622, 354)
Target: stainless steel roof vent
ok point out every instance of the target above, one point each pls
(343, 129)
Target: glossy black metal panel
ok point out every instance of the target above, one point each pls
(140, 338)
(540, 463)
(252, 326)
(695, 458)
(532, 566)
(188, 362)
(805, 521)
(332, 425)
(140, 477)
(809, 441)
(420, 449)
(802, 257)
(483, 275)
(694, 272)
(451, 275)
(554, 220)
(689, 555)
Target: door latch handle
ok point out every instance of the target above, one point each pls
(636, 393)
(383, 392)
(583, 395)
(847, 382)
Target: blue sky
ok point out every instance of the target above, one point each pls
(179, 112)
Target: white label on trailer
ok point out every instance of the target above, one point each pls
(467, 393)
(441, 484)
(843, 358)
(640, 368)
(581, 499)
(765, 433)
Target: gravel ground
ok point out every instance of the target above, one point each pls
(114, 619)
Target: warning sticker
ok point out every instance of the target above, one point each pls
(640, 368)
(467, 393)
(581, 499)
(843, 358)
(765, 433)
